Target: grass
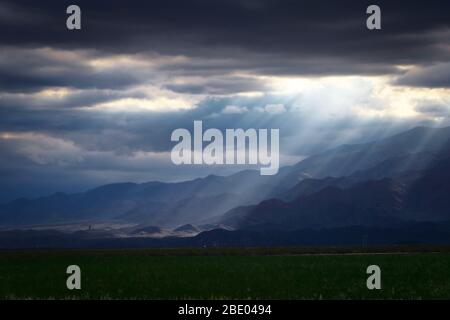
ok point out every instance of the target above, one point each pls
(222, 274)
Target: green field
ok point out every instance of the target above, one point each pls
(220, 274)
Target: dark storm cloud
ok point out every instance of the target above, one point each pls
(277, 64)
(31, 70)
(435, 76)
(128, 132)
(220, 86)
(83, 98)
(284, 36)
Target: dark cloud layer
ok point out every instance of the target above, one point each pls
(29, 70)
(269, 37)
(434, 76)
(223, 86)
(272, 36)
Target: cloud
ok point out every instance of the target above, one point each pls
(434, 110)
(30, 70)
(231, 109)
(434, 76)
(273, 108)
(218, 85)
(42, 149)
(272, 37)
(60, 98)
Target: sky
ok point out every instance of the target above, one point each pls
(93, 106)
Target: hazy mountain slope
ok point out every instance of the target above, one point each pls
(165, 203)
(404, 169)
(191, 210)
(310, 186)
(348, 159)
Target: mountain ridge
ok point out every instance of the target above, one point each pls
(344, 166)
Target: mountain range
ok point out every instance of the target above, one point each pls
(381, 184)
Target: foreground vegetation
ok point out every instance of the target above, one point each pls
(283, 273)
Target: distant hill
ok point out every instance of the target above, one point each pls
(423, 233)
(189, 228)
(147, 230)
